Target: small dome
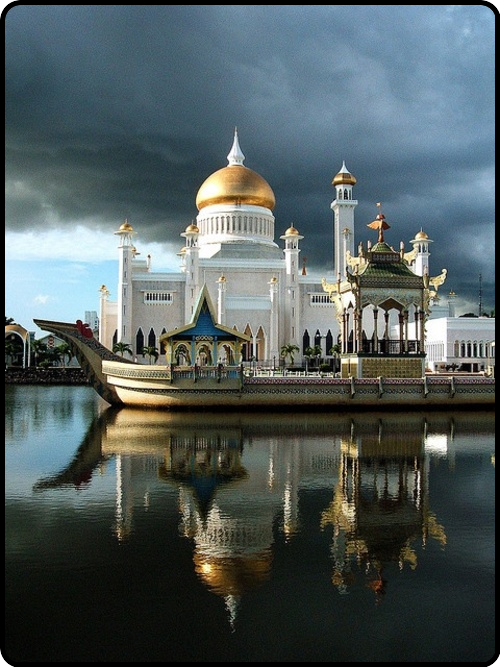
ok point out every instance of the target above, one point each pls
(126, 227)
(421, 236)
(292, 231)
(344, 177)
(192, 229)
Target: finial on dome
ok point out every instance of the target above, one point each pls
(235, 156)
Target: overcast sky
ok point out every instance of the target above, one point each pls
(122, 111)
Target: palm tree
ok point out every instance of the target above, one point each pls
(317, 352)
(121, 347)
(65, 352)
(39, 351)
(150, 351)
(289, 350)
(335, 350)
(308, 354)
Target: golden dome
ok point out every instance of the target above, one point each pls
(235, 184)
(126, 227)
(292, 231)
(421, 236)
(192, 229)
(344, 177)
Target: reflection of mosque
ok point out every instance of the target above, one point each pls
(238, 479)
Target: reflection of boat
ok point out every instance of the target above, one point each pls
(226, 387)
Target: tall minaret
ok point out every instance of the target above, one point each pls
(343, 218)
(127, 252)
(192, 269)
(421, 245)
(292, 296)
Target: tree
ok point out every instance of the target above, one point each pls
(317, 352)
(150, 351)
(121, 347)
(39, 351)
(65, 352)
(13, 348)
(289, 350)
(335, 351)
(308, 354)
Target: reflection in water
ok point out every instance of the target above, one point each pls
(238, 480)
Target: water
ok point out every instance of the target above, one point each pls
(147, 536)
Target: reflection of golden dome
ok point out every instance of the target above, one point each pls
(235, 184)
(233, 575)
(344, 177)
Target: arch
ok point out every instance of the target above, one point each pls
(18, 331)
(163, 349)
(204, 355)
(139, 341)
(182, 354)
(306, 341)
(151, 338)
(226, 354)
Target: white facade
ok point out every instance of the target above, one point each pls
(461, 343)
(258, 287)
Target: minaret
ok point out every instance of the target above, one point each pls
(273, 352)
(292, 295)
(126, 254)
(421, 245)
(343, 219)
(221, 300)
(192, 270)
(103, 320)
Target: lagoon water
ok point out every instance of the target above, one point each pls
(144, 536)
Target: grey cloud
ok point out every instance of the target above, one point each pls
(116, 110)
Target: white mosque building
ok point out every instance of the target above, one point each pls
(258, 286)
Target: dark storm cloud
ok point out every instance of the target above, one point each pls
(124, 110)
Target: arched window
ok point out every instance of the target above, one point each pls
(306, 341)
(162, 344)
(139, 342)
(346, 196)
(151, 338)
(329, 341)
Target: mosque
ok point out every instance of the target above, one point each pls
(261, 288)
